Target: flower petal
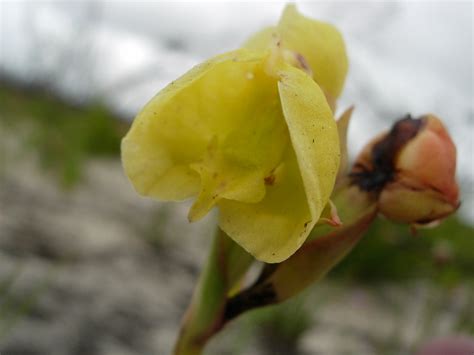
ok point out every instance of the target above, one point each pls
(274, 228)
(320, 44)
(277, 226)
(218, 129)
(313, 133)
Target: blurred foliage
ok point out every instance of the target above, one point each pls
(279, 328)
(63, 136)
(391, 252)
(16, 305)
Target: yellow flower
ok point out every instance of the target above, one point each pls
(249, 133)
(317, 47)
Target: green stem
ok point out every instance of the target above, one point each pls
(226, 264)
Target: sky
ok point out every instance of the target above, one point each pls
(405, 57)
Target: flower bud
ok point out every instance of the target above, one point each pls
(411, 171)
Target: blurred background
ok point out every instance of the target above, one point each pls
(88, 267)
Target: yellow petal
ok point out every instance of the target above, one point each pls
(276, 227)
(313, 133)
(217, 131)
(320, 44)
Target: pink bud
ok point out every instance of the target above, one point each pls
(411, 171)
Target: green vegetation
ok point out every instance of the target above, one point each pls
(276, 329)
(62, 136)
(280, 328)
(16, 304)
(390, 252)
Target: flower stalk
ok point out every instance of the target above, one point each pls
(212, 305)
(226, 265)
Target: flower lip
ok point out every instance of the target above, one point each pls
(372, 173)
